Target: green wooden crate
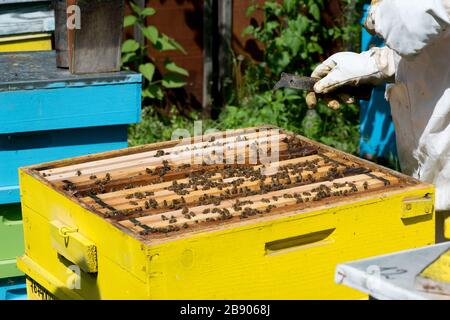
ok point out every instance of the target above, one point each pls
(11, 239)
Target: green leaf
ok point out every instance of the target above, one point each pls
(271, 25)
(135, 8)
(289, 5)
(153, 91)
(172, 81)
(130, 45)
(151, 33)
(177, 45)
(315, 11)
(147, 70)
(148, 12)
(165, 43)
(171, 66)
(314, 47)
(248, 30)
(127, 57)
(129, 21)
(250, 10)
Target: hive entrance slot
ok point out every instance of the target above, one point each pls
(303, 241)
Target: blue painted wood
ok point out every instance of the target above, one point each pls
(26, 17)
(376, 125)
(35, 95)
(52, 109)
(23, 149)
(13, 289)
(36, 70)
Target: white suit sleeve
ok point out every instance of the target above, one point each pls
(407, 26)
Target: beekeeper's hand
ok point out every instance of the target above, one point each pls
(407, 26)
(347, 68)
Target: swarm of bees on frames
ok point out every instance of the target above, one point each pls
(198, 194)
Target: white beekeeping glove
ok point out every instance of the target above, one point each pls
(407, 26)
(348, 68)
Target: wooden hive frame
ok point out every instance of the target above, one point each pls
(163, 191)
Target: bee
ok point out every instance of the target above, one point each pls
(173, 220)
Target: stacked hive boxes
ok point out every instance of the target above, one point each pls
(46, 114)
(26, 25)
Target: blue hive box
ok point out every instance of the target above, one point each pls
(48, 114)
(377, 141)
(13, 289)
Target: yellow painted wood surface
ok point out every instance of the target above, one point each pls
(281, 257)
(439, 270)
(31, 42)
(73, 246)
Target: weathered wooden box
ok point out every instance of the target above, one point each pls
(25, 25)
(204, 218)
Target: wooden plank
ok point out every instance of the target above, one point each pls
(239, 150)
(163, 185)
(118, 156)
(140, 176)
(26, 18)
(194, 195)
(129, 151)
(96, 46)
(61, 45)
(180, 150)
(259, 202)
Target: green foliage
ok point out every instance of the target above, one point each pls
(155, 127)
(157, 81)
(135, 56)
(295, 39)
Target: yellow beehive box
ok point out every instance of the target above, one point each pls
(204, 218)
(26, 42)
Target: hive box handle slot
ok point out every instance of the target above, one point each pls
(300, 242)
(417, 206)
(73, 246)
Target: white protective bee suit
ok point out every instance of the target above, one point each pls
(417, 36)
